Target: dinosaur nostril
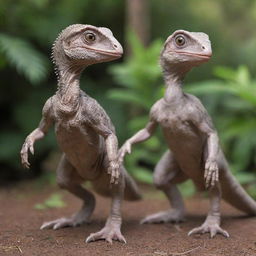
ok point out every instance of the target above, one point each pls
(203, 47)
(115, 45)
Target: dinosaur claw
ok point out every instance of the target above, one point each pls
(108, 233)
(209, 227)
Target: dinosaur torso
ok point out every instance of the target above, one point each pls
(83, 147)
(184, 139)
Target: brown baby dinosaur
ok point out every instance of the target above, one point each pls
(194, 150)
(84, 131)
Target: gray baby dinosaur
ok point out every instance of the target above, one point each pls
(194, 150)
(84, 131)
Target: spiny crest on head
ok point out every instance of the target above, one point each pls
(66, 31)
(56, 47)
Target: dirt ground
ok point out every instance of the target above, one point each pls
(20, 222)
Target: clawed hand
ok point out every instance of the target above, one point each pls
(211, 173)
(126, 148)
(28, 146)
(114, 171)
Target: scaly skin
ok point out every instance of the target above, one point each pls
(194, 151)
(84, 131)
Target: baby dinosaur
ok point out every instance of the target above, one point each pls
(194, 151)
(84, 131)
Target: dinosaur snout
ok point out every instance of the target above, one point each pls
(118, 48)
(207, 50)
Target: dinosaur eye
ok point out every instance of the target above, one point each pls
(180, 40)
(90, 37)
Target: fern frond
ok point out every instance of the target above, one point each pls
(24, 57)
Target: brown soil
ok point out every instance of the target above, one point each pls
(20, 222)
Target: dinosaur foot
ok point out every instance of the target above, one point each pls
(172, 215)
(64, 222)
(108, 233)
(211, 225)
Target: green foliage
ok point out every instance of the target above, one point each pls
(54, 201)
(24, 57)
(24, 118)
(187, 188)
(139, 77)
(234, 110)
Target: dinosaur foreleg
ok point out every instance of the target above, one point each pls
(112, 229)
(69, 180)
(213, 219)
(165, 172)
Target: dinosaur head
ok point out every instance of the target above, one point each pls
(83, 45)
(187, 49)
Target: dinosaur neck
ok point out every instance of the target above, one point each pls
(69, 87)
(174, 75)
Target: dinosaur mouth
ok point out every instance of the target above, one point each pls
(203, 56)
(110, 53)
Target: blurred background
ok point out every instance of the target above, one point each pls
(127, 88)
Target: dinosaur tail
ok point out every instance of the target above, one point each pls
(233, 193)
(131, 191)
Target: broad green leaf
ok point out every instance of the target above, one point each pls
(208, 87)
(54, 201)
(243, 76)
(127, 96)
(138, 123)
(245, 177)
(187, 188)
(225, 73)
(251, 189)
(40, 206)
(143, 175)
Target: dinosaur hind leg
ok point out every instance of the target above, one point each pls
(212, 222)
(112, 229)
(67, 178)
(166, 175)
